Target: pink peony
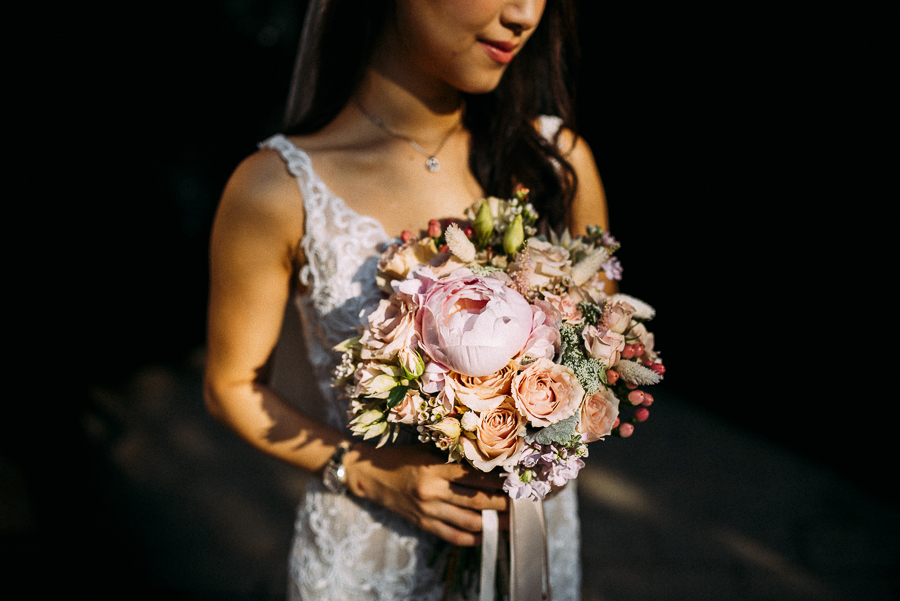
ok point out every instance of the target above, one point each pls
(544, 340)
(598, 414)
(473, 324)
(546, 392)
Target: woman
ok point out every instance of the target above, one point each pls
(401, 111)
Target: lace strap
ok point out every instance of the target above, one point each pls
(549, 126)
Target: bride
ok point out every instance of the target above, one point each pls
(400, 111)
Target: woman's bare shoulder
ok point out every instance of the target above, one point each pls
(261, 191)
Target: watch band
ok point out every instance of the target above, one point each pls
(335, 475)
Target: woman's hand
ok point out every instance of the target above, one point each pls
(445, 499)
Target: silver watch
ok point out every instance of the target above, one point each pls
(335, 475)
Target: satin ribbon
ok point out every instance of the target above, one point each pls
(529, 572)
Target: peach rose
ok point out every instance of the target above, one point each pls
(567, 307)
(479, 393)
(546, 392)
(606, 346)
(391, 327)
(498, 438)
(598, 414)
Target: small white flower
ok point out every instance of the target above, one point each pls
(469, 421)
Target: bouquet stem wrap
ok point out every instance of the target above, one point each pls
(529, 570)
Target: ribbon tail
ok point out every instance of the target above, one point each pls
(489, 545)
(530, 567)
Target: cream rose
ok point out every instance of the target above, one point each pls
(620, 317)
(498, 438)
(546, 392)
(397, 261)
(604, 345)
(598, 414)
(406, 410)
(391, 327)
(546, 265)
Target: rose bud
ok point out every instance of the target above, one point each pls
(411, 362)
(483, 226)
(626, 430)
(434, 228)
(641, 414)
(448, 426)
(612, 376)
(648, 399)
(628, 351)
(635, 397)
(514, 236)
(406, 236)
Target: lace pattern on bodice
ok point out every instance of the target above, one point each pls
(345, 548)
(341, 248)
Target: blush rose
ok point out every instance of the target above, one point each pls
(546, 392)
(598, 414)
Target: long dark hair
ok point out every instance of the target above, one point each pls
(507, 149)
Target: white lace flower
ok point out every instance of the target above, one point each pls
(634, 372)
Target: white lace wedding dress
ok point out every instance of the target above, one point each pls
(347, 549)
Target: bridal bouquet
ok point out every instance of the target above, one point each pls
(501, 347)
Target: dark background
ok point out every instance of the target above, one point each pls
(721, 135)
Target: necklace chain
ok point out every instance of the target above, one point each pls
(431, 163)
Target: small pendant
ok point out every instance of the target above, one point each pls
(432, 164)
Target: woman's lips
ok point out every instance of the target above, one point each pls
(502, 52)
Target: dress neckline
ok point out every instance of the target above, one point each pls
(338, 200)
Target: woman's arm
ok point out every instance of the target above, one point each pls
(253, 258)
(589, 205)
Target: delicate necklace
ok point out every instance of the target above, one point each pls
(431, 163)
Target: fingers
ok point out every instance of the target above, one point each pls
(476, 499)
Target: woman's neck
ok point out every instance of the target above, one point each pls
(424, 113)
